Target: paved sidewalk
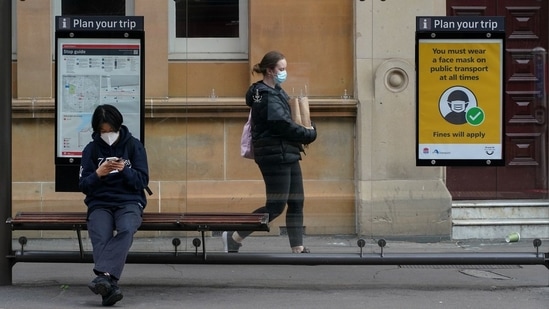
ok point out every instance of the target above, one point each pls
(42, 285)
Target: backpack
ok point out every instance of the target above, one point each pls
(131, 151)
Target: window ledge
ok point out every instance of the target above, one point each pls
(181, 107)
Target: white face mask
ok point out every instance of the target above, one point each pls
(110, 137)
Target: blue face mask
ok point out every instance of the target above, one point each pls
(281, 77)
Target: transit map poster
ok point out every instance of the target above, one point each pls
(92, 72)
(459, 94)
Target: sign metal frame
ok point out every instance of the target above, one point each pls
(460, 91)
(99, 60)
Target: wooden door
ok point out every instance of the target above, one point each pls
(525, 172)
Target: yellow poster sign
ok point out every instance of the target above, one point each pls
(460, 99)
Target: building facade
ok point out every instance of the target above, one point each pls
(353, 59)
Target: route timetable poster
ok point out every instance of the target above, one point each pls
(93, 72)
(460, 97)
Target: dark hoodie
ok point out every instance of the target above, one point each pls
(275, 136)
(120, 187)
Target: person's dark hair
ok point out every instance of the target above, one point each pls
(458, 95)
(269, 61)
(106, 114)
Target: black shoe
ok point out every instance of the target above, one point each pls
(102, 285)
(114, 296)
(229, 245)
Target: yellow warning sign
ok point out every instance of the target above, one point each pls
(460, 99)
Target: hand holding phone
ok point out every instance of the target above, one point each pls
(110, 165)
(114, 164)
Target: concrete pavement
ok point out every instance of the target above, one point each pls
(45, 285)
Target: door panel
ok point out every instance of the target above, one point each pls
(525, 172)
(470, 8)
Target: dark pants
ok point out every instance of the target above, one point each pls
(284, 185)
(111, 232)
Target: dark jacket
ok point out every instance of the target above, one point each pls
(276, 138)
(120, 187)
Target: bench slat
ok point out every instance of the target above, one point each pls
(151, 221)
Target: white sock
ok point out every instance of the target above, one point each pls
(237, 237)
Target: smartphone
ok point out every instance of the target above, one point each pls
(116, 159)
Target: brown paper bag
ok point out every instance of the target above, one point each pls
(296, 114)
(304, 111)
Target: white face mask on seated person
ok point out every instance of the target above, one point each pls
(110, 137)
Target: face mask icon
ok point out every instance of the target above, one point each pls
(456, 106)
(458, 101)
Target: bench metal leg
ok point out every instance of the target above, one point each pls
(203, 245)
(80, 246)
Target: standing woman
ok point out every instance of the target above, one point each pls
(278, 143)
(113, 176)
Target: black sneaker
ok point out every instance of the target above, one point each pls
(229, 245)
(102, 285)
(114, 296)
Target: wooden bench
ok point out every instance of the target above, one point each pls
(201, 222)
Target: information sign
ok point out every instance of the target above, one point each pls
(93, 72)
(99, 60)
(459, 91)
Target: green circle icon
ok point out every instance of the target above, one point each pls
(475, 116)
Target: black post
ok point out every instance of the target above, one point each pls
(5, 140)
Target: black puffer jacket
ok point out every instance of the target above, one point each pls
(276, 138)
